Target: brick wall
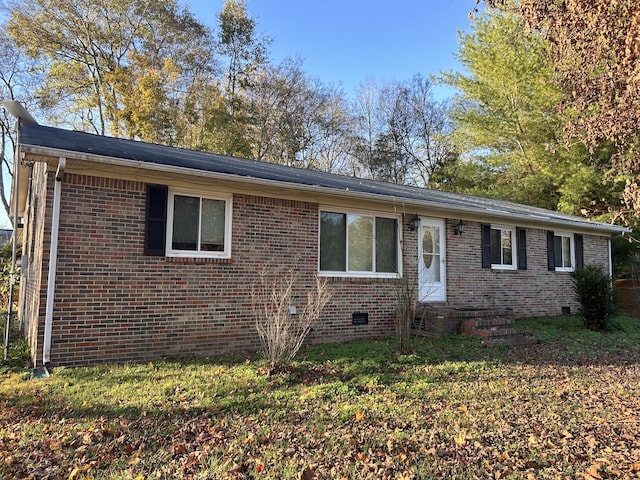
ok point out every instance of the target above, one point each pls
(535, 291)
(114, 304)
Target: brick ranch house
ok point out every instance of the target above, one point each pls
(133, 251)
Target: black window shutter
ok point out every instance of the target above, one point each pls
(521, 233)
(551, 256)
(156, 220)
(486, 245)
(579, 250)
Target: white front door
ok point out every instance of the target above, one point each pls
(431, 261)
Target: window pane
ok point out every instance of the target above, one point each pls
(386, 245)
(507, 256)
(430, 270)
(496, 249)
(566, 252)
(557, 250)
(333, 241)
(212, 226)
(428, 247)
(185, 222)
(360, 247)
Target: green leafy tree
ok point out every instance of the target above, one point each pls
(506, 126)
(595, 54)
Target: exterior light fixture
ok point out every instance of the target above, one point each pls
(459, 227)
(415, 223)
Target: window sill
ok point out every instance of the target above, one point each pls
(503, 268)
(363, 276)
(198, 254)
(198, 260)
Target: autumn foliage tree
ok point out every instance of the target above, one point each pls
(119, 67)
(595, 50)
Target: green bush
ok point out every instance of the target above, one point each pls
(592, 286)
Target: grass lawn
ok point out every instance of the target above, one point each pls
(568, 407)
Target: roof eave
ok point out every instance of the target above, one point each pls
(54, 153)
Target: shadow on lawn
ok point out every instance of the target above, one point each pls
(213, 386)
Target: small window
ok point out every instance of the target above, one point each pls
(358, 244)
(499, 247)
(561, 251)
(198, 226)
(503, 252)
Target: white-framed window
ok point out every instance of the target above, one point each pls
(563, 251)
(503, 247)
(198, 225)
(359, 244)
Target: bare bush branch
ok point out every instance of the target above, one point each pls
(407, 298)
(281, 331)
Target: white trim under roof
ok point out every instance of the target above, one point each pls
(578, 224)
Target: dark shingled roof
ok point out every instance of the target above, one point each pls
(152, 154)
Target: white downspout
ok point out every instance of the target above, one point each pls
(610, 260)
(53, 260)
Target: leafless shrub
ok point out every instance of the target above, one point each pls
(281, 331)
(407, 296)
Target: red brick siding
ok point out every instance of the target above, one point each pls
(532, 292)
(115, 304)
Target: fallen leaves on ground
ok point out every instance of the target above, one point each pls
(524, 417)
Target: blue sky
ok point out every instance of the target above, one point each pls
(344, 42)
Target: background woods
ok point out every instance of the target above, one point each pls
(527, 123)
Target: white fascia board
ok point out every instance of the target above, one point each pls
(444, 209)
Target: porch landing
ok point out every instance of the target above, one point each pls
(493, 325)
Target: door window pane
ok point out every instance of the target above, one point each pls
(333, 242)
(430, 254)
(427, 247)
(360, 243)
